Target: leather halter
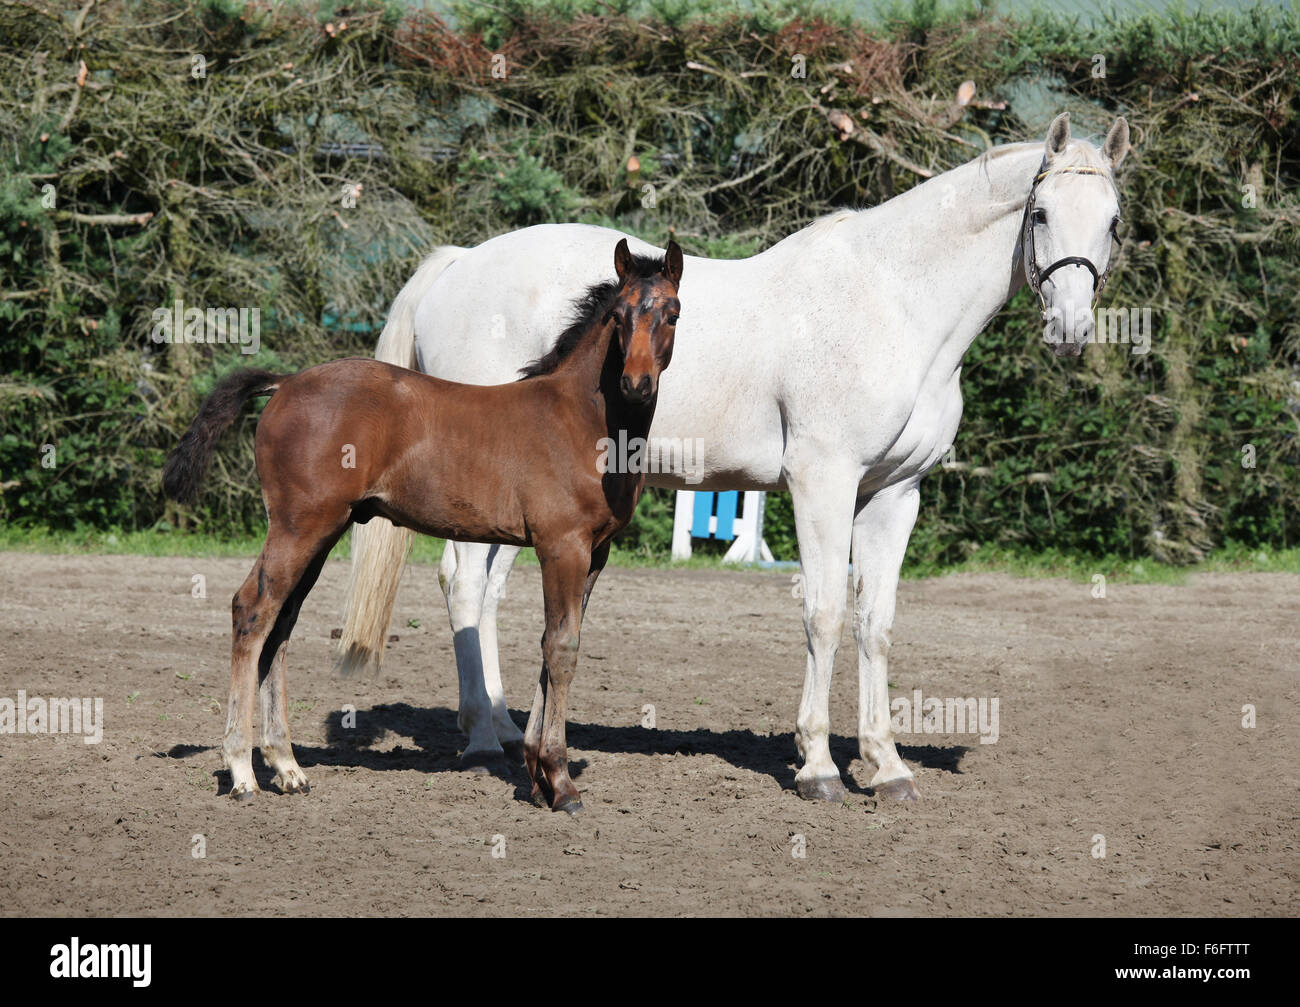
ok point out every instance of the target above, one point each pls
(1035, 276)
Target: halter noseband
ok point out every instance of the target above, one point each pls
(1035, 276)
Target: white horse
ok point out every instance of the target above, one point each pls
(828, 365)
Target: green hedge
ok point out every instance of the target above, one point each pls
(150, 177)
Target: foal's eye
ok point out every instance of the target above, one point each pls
(672, 319)
(1040, 216)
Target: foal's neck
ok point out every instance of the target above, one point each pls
(595, 368)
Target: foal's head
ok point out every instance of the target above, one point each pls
(644, 313)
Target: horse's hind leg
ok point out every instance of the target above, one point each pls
(253, 613)
(463, 575)
(501, 559)
(277, 748)
(256, 611)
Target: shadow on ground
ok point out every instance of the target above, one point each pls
(437, 747)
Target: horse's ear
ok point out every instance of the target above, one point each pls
(1116, 145)
(623, 264)
(1058, 136)
(673, 263)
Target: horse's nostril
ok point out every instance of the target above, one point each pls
(636, 391)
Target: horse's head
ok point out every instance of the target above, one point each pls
(1068, 236)
(644, 313)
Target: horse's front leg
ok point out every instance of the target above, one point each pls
(881, 529)
(598, 559)
(566, 570)
(823, 494)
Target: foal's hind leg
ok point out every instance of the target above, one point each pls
(277, 748)
(253, 613)
(257, 636)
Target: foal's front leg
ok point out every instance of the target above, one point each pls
(565, 574)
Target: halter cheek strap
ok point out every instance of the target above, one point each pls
(1035, 276)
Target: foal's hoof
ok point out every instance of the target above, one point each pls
(514, 752)
(243, 793)
(484, 763)
(821, 788)
(570, 803)
(902, 789)
(291, 782)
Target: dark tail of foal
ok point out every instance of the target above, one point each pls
(187, 464)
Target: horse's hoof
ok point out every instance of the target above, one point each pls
(902, 789)
(821, 788)
(568, 803)
(294, 783)
(483, 762)
(243, 794)
(514, 752)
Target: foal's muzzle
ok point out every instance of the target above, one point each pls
(637, 392)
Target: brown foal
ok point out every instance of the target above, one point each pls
(517, 464)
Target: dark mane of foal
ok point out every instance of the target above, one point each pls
(588, 308)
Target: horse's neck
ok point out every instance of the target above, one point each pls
(948, 249)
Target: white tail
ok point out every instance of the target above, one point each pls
(379, 548)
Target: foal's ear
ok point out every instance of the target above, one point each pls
(623, 260)
(1058, 136)
(673, 263)
(1116, 145)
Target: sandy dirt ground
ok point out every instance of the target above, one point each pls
(1120, 721)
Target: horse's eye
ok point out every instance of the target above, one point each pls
(672, 319)
(1040, 216)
